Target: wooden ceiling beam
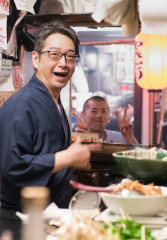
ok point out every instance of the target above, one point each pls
(72, 19)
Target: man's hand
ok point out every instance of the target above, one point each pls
(81, 125)
(77, 155)
(125, 127)
(80, 154)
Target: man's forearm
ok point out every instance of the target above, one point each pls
(130, 138)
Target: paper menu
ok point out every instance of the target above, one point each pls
(4, 7)
(3, 32)
(26, 5)
(6, 80)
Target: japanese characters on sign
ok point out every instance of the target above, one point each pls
(6, 81)
(138, 60)
(4, 11)
(3, 32)
(4, 7)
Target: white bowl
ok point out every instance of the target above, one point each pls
(138, 205)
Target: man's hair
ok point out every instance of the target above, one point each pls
(94, 98)
(47, 29)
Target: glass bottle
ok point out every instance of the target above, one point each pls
(34, 199)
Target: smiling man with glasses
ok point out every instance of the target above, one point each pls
(35, 143)
(55, 60)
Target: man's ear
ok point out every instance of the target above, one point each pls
(35, 59)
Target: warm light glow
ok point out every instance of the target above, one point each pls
(151, 61)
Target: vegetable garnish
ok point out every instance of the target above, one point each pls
(128, 229)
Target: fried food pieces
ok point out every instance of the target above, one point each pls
(149, 190)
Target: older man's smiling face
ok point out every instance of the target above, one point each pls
(55, 74)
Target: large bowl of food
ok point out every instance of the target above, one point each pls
(143, 164)
(134, 198)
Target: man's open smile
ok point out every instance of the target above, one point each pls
(60, 74)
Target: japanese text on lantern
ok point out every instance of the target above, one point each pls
(138, 60)
(4, 7)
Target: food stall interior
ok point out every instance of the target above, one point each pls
(99, 40)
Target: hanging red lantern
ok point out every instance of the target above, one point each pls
(151, 61)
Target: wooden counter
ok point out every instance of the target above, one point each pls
(104, 170)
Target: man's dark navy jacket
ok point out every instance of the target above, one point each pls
(32, 130)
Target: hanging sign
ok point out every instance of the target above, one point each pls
(4, 7)
(3, 32)
(25, 5)
(6, 81)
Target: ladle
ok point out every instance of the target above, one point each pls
(88, 197)
(88, 188)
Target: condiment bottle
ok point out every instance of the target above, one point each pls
(34, 199)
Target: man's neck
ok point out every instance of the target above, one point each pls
(102, 135)
(55, 92)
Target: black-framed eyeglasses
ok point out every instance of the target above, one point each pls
(55, 55)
